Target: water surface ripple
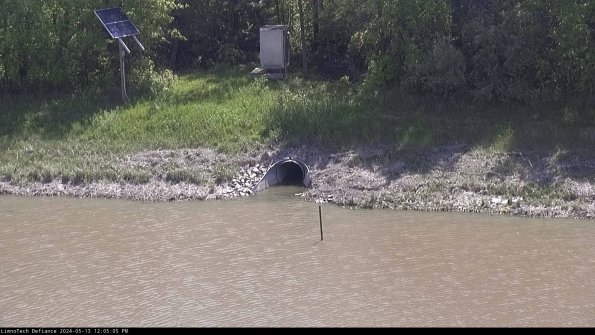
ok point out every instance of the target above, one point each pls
(260, 262)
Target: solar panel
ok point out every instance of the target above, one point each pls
(116, 23)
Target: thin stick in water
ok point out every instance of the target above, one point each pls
(320, 217)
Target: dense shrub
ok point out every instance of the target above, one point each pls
(492, 51)
(441, 73)
(60, 44)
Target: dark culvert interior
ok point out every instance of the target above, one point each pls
(290, 173)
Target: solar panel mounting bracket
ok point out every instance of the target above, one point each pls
(118, 25)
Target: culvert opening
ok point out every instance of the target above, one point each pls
(290, 173)
(285, 172)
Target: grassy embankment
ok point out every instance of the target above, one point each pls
(80, 139)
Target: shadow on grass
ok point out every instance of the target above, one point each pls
(542, 143)
(49, 116)
(425, 134)
(218, 86)
(388, 132)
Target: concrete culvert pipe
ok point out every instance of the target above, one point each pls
(285, 172)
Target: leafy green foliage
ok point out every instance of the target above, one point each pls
(441, 73)
(60, 44)
(218, 32)
(488, 51)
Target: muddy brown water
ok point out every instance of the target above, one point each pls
(260, 262)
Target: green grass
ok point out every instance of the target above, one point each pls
(223, 110)
(79, 138)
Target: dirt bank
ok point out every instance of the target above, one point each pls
(451, 178)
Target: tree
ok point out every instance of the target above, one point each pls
(303, 37)
(221, 31)
(60, 44)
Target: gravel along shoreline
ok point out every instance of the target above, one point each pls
(450, 178)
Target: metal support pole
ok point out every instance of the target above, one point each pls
(140, 45)
(122, 53)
